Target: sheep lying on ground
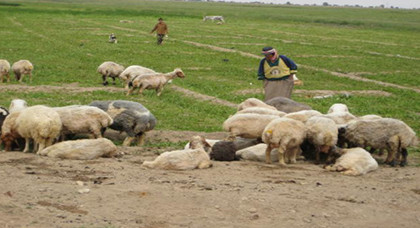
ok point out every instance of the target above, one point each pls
(22, 68)
(210, 142)
(130, 117)
(17, 105)
(322, 133)
(354, 161)
(154, 81)
(287, 105)
(84, 149)
(247, 125)
(257, 153)
(226, 150)
(9, 134)
(80, 119)
(4, 70)
(133, 71)
(254, 102)
(303, 115)
(391, 134)
(262, 111)
(110, 69)
(285, 134)
(40, 123)
(192, 158)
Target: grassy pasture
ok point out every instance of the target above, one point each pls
(67, 40)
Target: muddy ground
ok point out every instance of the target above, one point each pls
(118, 192)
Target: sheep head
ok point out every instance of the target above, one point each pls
(179, 73)
(198, 142)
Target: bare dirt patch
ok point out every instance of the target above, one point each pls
(121, 193)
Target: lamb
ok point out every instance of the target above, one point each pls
(9, 134)
(247, 125)
(130, 117)
(391, 134)
(214, 18)
(110, 69)
(83, 149)
(4, 70)
(22, 68)
(322, 133)
(285, 134)
(262, 111)
(133, 71)
(154, 81)
(187, 159)
(287, 105)
(303, 115)
(254, 102)
(79, 119)
(41, 123)
(354, 161)
(17, 105)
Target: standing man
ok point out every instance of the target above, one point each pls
(161, 30)
(277, 72)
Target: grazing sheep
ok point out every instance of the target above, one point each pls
(287, 105)
(130, 117)
(41, 123)
(247, 125)
(390, 134)
(338, 107)
(226, 150)
(154, 81)
(303, 115)
(4, 70)
(133, 71)
(354, 161)
(17, 105)
(22, 68)
(285, 134)
(322, 133)
(262, 111)
(79, 119)
(370, 117)
(214, 18)
(110, 69)
(254, 102)
(257, 153)
(341, 118)
(9, 134)
(188, 159)
(83, 149)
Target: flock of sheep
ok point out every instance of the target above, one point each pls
(277, 130)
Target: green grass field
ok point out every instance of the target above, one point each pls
(67, 40)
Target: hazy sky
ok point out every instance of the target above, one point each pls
(387, 3)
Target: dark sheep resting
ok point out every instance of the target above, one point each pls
(287, 105)
(130, 117)
(226, 150)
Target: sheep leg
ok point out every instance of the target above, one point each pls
(127, 141)
(159, 90)
(113, 80)
(1, 78)
(204, 164)
(30, 77)
(294, 153)
(26, 145)
(404, 157)
(8, 77)
(351, 172)
(267, 154)
(281, 156)
(140, 139)
(104, 81)
(317, 152)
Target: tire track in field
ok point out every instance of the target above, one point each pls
(342, 75)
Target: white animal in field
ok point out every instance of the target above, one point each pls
(214, 18)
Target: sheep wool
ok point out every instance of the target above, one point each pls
(4, 70)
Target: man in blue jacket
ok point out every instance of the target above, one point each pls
(277, 72)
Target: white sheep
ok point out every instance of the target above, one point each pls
(354, 161)
(133, 71)
(262, 111)
(285, 134)
(22, 68)
(322, 133)
(110, 69)
(303, 115)
(79, 119)
(17, 105)
(187, 159)
(254, 102)
(386, 133)
(338, 107)
(83, 149)
(214, 18)
(41, 123)
(154, 81)
(257, 153)
(370, 117)
(340, 114)
(4, 70)
(211, 142)
(247, 125)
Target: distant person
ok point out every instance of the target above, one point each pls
(161, 30)
(277, 71)
(113, 38)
